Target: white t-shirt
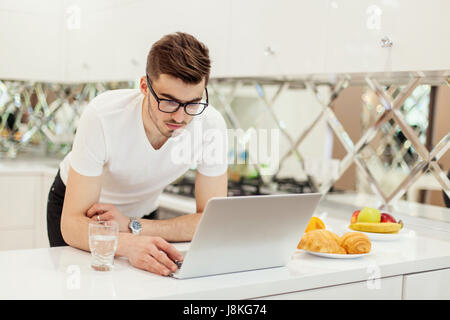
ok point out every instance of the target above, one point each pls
(110, 141)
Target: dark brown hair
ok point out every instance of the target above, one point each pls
(180, 55)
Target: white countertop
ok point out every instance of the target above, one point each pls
(64, 273)
(29, 165)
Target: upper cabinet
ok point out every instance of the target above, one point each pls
(113, 40)
(387, 35)
(105, 40)
(31, 40)
(277, 37)
(142, 23)
(90, 43)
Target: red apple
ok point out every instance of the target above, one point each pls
(386, 217)
(354, 217)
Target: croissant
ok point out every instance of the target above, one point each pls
(321, 240)
(355, 243)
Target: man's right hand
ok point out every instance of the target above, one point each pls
(153, 254)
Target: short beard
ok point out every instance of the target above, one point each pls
(153, 119)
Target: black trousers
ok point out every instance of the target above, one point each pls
(54, 210)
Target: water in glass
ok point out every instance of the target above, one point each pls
(103, 239)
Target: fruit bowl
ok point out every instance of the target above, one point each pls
(373, 236)
(375, 224)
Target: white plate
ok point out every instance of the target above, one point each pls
(337, 255)
(381, 236)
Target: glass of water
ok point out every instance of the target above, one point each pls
(103, 239)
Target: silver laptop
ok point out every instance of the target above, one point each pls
(247, 233)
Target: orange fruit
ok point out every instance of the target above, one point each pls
(314, 224)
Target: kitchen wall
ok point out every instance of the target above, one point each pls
(348, 110)
(295, 109)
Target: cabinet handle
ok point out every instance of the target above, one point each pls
(385, 42)
(134, 62)
(268, 51)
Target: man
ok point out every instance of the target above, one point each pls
(125, 153)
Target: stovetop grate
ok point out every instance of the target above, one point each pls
(245, 187)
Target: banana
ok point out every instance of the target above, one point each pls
(380, 227)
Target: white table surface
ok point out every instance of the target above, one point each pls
(64, 273)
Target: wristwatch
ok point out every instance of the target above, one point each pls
(135, 226)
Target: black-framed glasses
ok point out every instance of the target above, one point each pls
(171, 106)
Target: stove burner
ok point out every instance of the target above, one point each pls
(291, 185)
(244, 187)
(184, 187)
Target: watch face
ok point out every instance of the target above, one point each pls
(135, 225)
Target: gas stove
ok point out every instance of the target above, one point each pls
(244, 187)
(291, 185)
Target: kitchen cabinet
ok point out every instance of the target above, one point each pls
(208, 21)
(17, 209)
(356, 30)
(113, 41)
(19, 200)
(427, 285)
(31, 40)
(277, 38)
(87, 41)
(16, 239)
(90, 45)
(23, 209)
(385, 288)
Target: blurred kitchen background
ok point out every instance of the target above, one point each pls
(359, 91)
